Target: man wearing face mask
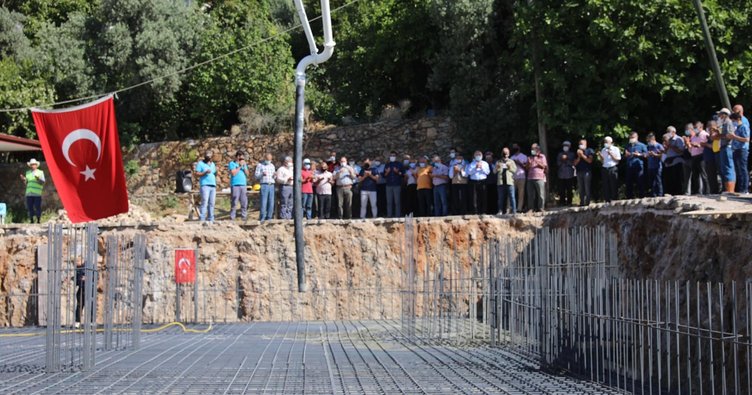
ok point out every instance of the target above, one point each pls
(505, 169)
(306, 187)
(265, 173)
(727, 170)
(566, 173)
(477, 172)
(368, 180)
(393, 172)
(344, 177)
(440, 180)
(610, 156)
(520, 176)
(239, 181)
(207, 170)
(740, 146)
(673, 171)
(636, 152)
(411, 187)
(696, 143)
(285, 181)
(655, 166)
(425, 193)
(537, 167)
(332, 164)
(378, 167)
(583, 164)
(459, 191)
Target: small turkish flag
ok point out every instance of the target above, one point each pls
(82, 149)
(185, 266)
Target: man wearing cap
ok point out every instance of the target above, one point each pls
(610, 156)
(636, 152)
(207, 170)
(285, 181)
(566, 173)
(239, 182)
(306, 187)
(740, 147)
(728, 173)
(34, 180)
(265, 172)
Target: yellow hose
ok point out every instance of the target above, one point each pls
(153, 330)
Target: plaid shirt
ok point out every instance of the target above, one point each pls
(265, 173)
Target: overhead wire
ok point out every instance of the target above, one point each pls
(181, 71)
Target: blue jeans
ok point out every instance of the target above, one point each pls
(267, 202)
(741, 156)
(655, 178)
(440, 207)
(727, 165)
(208, 195)
(34, 206)
(393, 200)
(308, 204)
(507, 191)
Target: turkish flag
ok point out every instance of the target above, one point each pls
(82, 149)
(185, 266)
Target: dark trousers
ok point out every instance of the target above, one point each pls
(80, 303)
(335, 202)
(584, 179)
(566, 187)
(635, 176)
(655, 178)
(711, 171)
(425, 198)
(325, 206)
(34, 205)
(492, 197)
(672, 179)
(610, 183)
(460, 198)
(699, 176)
(381, 198)
(411, 199)
(741, 157)
(479, 197)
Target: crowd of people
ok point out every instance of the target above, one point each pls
(512, 182)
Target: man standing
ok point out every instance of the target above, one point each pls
(709, 157)
(566, 174)
(238, 182)
(440, 179)
(323, 182)
(207, 170)
(306, 188)
(491, 193)
(393, 172)
(505, 169)
(425, 195)
(673, 171)
(635, 153)
(459, 191)
(377, 168)
(478, 171)
(265, 172)
(728, 173)
(520, 176)
(285, 181)
(411, 188)
(537, 167)
(34, 180)
(697, 142)
(655, 166)
(583, 164)
(610, 156)
(368, 180)
(344, 178)
(739, 109)
(740, 146)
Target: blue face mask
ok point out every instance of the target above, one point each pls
(687, 132)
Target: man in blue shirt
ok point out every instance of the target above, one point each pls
(740, 146)
(583, 164)
(239, 182)
(368, 179)
(635, 154)
(727, 128)
(738, 109)
(655, 166)
(393, 172)
(208, 181)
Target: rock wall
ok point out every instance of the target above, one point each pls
(247, 272)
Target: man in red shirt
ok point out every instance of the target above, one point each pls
(537, 167)
(306, 176)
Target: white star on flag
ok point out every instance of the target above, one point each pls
(88, 173)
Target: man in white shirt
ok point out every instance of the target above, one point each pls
(610, 156)
(477, 172)
(520, 176)
(285, 180)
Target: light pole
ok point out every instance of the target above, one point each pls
(720, 85)
(300, 80)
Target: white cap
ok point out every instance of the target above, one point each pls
(306, 161)
(725, 111)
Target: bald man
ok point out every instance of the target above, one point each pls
(739, 109)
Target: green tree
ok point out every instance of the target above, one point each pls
(18, 88)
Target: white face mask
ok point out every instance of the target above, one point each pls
(582, 147)
(533, 152)
(422, 165)
(332, 159)
(343, 164)
(392, 159)
(478, 158)
(565, 148)
(632, 141)
(452, 155)
(607, 145)
(376, 164)
(307, 167)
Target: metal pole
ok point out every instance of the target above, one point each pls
(300, 82)
(720, 85)
(195, 285)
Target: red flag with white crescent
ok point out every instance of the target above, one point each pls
(185, 266)
(82, 150)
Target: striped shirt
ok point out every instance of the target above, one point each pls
(265, 173)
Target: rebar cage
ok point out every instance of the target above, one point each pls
(76, 275)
